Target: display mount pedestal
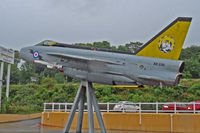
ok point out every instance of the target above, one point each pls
(85, 89)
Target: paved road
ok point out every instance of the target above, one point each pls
(27, 126)
(33, 126)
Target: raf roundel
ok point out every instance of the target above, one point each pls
(36, 54)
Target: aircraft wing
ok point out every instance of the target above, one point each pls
(75, 57)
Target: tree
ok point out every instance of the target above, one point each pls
(191, 57)
(190, 52)
(123, 48)
(14, 74)
(59, 77)
(193, 67)
(84, 44)
(133, 46)
(27, 71)
(103, 44)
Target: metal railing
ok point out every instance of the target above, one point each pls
(156, 107)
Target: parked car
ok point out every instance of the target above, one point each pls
(126, 106)
(191, 106)
(171, 107)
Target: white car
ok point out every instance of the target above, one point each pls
(126, 106)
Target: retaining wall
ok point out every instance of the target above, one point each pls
(183, 122)
(18, 117)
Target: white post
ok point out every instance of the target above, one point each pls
(156, 107)
(59, 107)
(8, 81)
(123, 108)
(108, 107)
(1, 79)
(175, 107)
(194, 107)
(52, 107)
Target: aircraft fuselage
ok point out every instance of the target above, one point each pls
(107, 67)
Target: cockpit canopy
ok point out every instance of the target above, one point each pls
(46, 43)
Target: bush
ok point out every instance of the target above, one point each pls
(30, 98)
(194, 88)
(48, 83)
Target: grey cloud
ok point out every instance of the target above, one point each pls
(25, 22)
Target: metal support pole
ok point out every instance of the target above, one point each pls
(81, 111)
(1, 79)
(98, 114)
(73, 110)
(8, 81)
(85, 88)
(90, 109)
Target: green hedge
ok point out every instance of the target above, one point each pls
(30, 98)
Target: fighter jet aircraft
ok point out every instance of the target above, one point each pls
(155, 63)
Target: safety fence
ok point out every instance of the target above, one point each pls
(156, 107)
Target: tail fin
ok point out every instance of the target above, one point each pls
(168, 43)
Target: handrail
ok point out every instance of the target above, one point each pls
(155, 107)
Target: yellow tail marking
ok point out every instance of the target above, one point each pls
(168, 43)
(128, 86)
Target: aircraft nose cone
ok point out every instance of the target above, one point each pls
(25, 54)
(22, 53)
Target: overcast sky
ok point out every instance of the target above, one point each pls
(27, 22)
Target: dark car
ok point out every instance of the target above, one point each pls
(171, 107)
